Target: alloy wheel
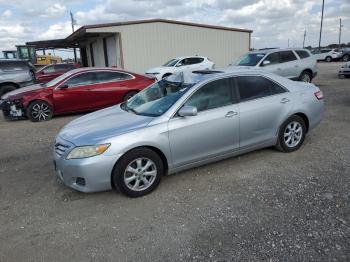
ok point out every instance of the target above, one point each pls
(293, 134)
(306, 78)
(40, 111)
(140, 174)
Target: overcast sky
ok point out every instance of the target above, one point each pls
(273, 21)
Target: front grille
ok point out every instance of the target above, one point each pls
(61, 148)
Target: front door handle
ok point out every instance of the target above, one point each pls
(285, 100)
(231, 114)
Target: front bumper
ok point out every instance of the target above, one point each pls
(12, 109)
(344, 72)
(91, 174)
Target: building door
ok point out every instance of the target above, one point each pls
(111, 46)
(83, 56)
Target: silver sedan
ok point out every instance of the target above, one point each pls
(181, 122)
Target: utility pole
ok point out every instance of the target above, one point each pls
(288, 42)
(304, 38)
(73, 22)
(340, 26)
(319, 41)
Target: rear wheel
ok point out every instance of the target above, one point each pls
(305, 77)
(6, 89)
(39, 111)
(129, 95)
(291, 134)
(328, 59)
(345, 58)
(138, 172)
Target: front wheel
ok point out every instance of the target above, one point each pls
(291, 134)
(39, 111)
(328, 59)
(305, 77)
(138, 172)
(345, 58)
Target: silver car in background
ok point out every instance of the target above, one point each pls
(293, 63)
(182, 122)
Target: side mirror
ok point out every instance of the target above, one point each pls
(64, 86)
(188, 111)
(265, 62)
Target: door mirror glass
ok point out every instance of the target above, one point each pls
(266, 62)
(188, 111)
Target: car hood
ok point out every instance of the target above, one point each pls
(101, 125)
(22, 91)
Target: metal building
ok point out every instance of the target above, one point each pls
(139, 45)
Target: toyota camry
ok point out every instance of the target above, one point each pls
(182, 122)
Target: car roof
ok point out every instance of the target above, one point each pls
(188, 56)
(267, 51)
(88, 69)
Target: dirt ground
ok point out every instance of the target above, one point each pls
(262, 206)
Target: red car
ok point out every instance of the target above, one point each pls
(78, 90)
(49, 72)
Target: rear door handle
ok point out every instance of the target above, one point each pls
(231, 114)
(285, 100)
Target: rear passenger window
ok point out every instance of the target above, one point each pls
(254, 87)
(107, 76)
(287, 56)
(302, 54)
(213, 95)
(195, 60)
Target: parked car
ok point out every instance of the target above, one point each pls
(327, 55)
(344, 70)
(78, 90)
(182, 122)
(296, 64)
(181, 64)
(345, 55)
(15, 73)
(49, 72)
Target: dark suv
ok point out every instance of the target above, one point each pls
(14, 74)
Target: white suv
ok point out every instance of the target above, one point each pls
(181, 64)
(293, 63)
(327, 54)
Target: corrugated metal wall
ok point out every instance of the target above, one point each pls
(152, 44)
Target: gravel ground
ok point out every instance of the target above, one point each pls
(262, 206)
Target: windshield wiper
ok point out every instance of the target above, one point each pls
(128, 109)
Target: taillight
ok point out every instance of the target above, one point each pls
(319, 95)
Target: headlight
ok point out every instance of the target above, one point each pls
(87, 151)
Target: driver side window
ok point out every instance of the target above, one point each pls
(213, 95)
(274, 58)
(49, 69)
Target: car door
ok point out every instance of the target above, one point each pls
(271, 63)
(263, 107)
(196, 63)
(213, 131)
(111, 87)
(75, 93)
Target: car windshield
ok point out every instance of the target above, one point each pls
(58, 79)
(157, 98)
(251, 59)
(172, 62)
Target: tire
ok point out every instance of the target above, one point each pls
(328, 59)
(166, 75)
(129, 95)
(135, 160)
(292, 145)
(305, 76)
(39, 111)
(6, 89)
(346, 58)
